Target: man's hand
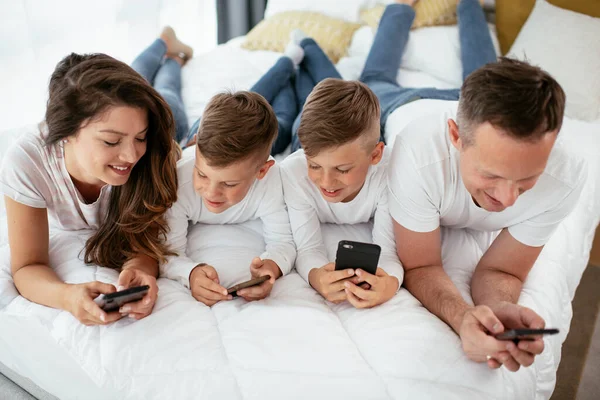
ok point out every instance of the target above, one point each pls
(204, 283)
(514, 316)
(481, 322)
(382, 288)
(258, 268)
(329, 282)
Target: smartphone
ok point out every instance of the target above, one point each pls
(114, 301)
(524, 334)
(357, 255)
(252, 282)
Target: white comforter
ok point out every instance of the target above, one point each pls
(293, 344)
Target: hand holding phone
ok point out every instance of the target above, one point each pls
(205, 285)
(79, 301)
(264, 272)
(113, 301)
(329, 282)
(250, 283)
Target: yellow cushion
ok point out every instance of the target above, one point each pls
(511, 15)
(332, 34)
(427, 13)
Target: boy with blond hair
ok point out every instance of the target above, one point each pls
(340, 177)
(231, 180)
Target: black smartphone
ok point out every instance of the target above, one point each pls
(114, 301)
(252, 282)
(357, 255)
(524, 334)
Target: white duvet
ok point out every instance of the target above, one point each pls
(293, 345)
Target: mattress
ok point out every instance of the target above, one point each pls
(293, 344)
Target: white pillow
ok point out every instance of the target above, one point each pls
(567, 45)
(434, 50)
(347, 10)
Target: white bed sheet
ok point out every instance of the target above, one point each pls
(293, 344)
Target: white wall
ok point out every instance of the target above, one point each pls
(36, 34)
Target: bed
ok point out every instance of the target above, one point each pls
(294, 344)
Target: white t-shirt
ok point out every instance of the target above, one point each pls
(427, 191)
(35, 175)
(264, 200)
(308, 210)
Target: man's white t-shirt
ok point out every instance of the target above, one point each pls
(35, 175)
(308, 210)
(263, 201)
(427, 191)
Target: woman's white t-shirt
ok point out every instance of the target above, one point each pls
(35, 175)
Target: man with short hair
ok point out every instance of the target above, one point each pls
(491, 165)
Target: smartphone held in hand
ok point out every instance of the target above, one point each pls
(114, 301)
(357, 255)
(252, 282)
(524, 334)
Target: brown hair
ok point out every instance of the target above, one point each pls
(337, 112)
(521, 99)
(82, 88)
(236, 126)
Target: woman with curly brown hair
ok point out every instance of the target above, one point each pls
(103, 160)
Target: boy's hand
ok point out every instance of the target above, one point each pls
(382, 288)
(204, 283)
(258, 268)
(329, 282)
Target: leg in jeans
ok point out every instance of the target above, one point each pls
(150, 60)
(386, 51)
(285, 107)
(476, 45)
(314, 68)
(167, 82)
(276, 87)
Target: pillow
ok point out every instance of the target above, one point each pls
(348, 11)
(511, 15)
(332, 34)
(441, 60)
(566, 44)
(427, 13)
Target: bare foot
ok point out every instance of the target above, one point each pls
(176, 49)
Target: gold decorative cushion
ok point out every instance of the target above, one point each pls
(511, 15)
(427, 13)
(332, 34)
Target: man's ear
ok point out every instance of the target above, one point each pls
(265, 168)
(454, 134)
(377, 153)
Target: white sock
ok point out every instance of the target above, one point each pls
(297, 36)
(295, 52)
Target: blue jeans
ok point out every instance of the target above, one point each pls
(286, 90)
(164, 74)
(277, 88)
(314, 68)
(381, 68)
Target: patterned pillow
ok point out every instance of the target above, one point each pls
(427, 13)
(332, 34)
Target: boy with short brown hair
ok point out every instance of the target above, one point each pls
(231, 180)
(340, 177)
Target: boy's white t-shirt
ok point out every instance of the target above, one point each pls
(35, 175)
(264, 200)
(427, 191)
(308, 210)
